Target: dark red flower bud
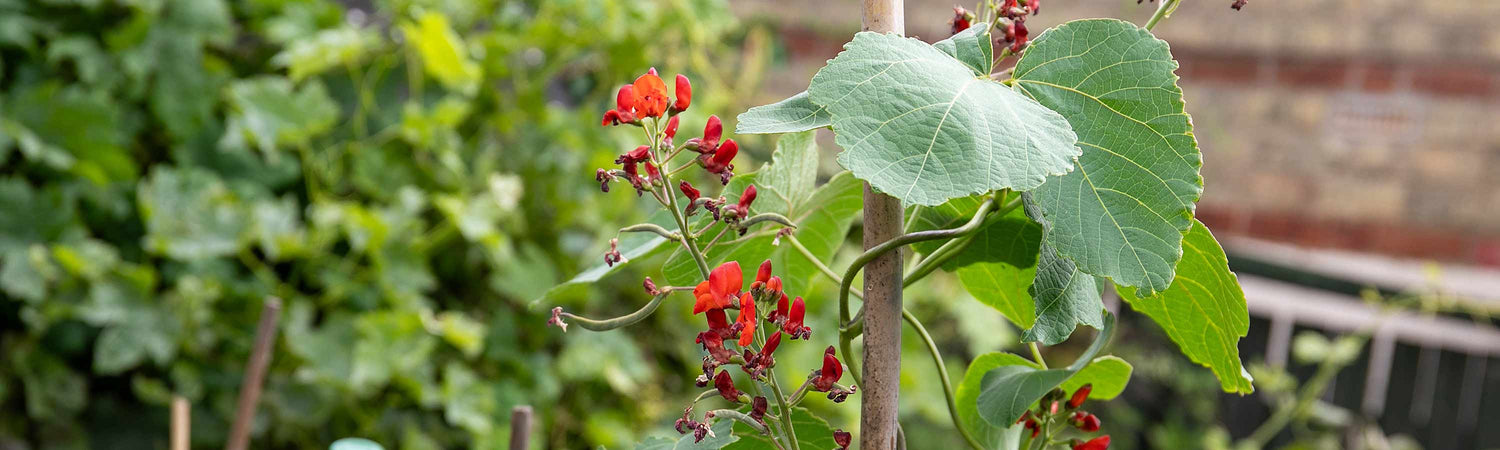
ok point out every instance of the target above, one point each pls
(831, 373)
(794, 326)
(764, 274)
(1089, 424)
(961, 19)
(688, 190)
(725, 384)
(1238, 4)
(1098, 443)
(1034, 427)
(650, 287)
(748, 197)
(1020, 42)
(774, 285)
(842, 438)
(771, 344)
(757, 406)
(671, 130)
(684, 93)
(1080, 395)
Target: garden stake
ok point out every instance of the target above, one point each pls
(255, 375)
(520, 427)
(181, 422)
(882, 322)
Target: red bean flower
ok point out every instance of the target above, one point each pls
(710, 140)
(780, 315)
(831, 373)
(962, 18)
(650, 96)
(721, 162)
(721, 288)
(762, 275)
(842, 438)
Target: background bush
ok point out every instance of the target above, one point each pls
(405, 174)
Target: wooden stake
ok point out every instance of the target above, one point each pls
(520, 427)
(181, 423)
(878, 429)
(255, 375)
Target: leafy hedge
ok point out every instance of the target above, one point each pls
(394, 173)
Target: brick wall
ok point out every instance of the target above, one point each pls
(1356, 124)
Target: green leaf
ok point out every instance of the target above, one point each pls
(1204, 310)
(722, 436)
(444, 54)
(967, 395)
(632, 246)
(1122, 213)
(272, 114)
(326, 50)
(190, 214)
(1109, 374)
(796, 113)
(1008, 391)
(812, 432)
(924, 127)
(998, 265)
(1064, 296)
(822, 215)
(972, 47)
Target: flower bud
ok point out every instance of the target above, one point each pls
(684, 93)
(1080, 395)
(764, 274)
(758, 406)
(1089, 424)
(842, 438)
(671, 130)
(650, 287)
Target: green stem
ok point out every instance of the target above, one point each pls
(786, 411)
(1162, 11)
(625, 320)
(1036, 355)
(937, 359)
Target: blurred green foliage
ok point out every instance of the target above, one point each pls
(405, 174)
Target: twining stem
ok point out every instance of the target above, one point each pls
(625, 320)
(956, 246)
(937, 357)
(786, 411)
(910, 238)
(1163, 11)
(741, 418)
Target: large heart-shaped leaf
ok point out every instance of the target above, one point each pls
(1122, 212)
(925, 127)
(822, 216)
(1204, 310)
(1006, 392)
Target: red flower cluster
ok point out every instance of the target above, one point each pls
(1051, 408)
(962, 18)
(647, 97)
(724, 290)
(1013, 17)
